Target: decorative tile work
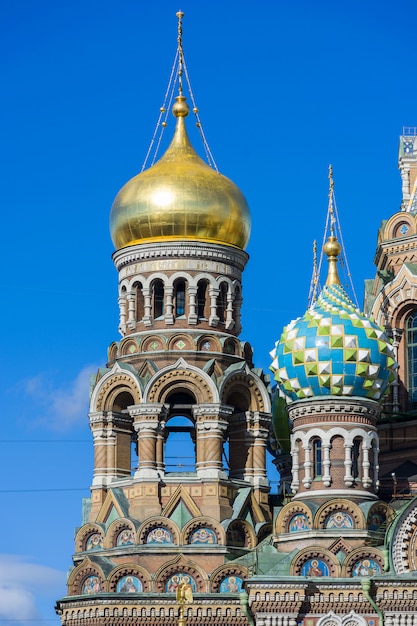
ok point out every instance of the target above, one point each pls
(333, 350)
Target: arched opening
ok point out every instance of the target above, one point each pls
(180, 433)
(203, 301)
(126, 449)
(356, 458)
(139, 301)
(316, 457)
(222, 302)
(411, 352)
(158, 298)
(236, 446)
(179, 297)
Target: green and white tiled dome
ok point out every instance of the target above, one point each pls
(334, 349)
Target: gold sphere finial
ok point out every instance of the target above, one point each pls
(332, 249)
(180, 108)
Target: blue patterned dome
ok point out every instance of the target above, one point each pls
(334, 349)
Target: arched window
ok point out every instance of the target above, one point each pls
(203, 305)
(158, 298)
(179, 295)
(222, 302)
(316, 449)
(355, 457)
(139, 301)
(411, 339)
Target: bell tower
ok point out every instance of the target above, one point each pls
(179, 229)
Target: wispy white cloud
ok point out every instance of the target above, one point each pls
(23, 585)
(60, 407)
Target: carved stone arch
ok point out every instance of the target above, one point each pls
(209, 343)
(179, 376)
(118, 526)
(288, 512)
(224, 571)
(130, 569)
(181, 342)
(344, 506)
(245, 391)
(83, 571)
(203, 522)
(112, 352)
(183, 275)
(184, 566)
(240, 533)
(315, 553)
(380, 513)
(209, 278)
(116, 381)
(404, 541)
(158, 522)
(392, 228)
(232, 346)
(153, 343)
(85, 532)
(362, 554)
(128, 346)
(149, 280)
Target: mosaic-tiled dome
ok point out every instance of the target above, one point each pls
(334, 349)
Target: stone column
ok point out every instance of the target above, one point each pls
(131, 317)
(229, 311)
(366, 479)
(147, 425)
(210, 430)
(295, 454)
(112, 435)
(122, 315)
(258, 424)
(192, 295)
(307, 466)
(327, 480)
(348, 477)
(169, 305)
(396, 338)
(213, 292)
(147, 318)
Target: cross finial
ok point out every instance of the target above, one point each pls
(180, 15)
(331, 192)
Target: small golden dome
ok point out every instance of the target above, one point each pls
(178, 198)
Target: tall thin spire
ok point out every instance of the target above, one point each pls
(180, 15)
(332, 247)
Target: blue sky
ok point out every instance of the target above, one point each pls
(283, 89)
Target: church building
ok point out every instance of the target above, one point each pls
(206, 543)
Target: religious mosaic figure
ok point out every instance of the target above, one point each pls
(298, 523)
(366, 567)
(159, 535)
(129, 584)
(203, 535)
(340, 519)
(126, 537)
(91, 585)
(231, 584)
(375, 521)
(173, 582)
(315, 568)
(94, 542)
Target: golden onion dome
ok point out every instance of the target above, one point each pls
(180, 197)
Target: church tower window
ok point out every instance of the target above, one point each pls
(222, 302)
(179, 297)
(203, 310)
(317, 469)
(411, 338)
(158, 298)
(139, 301)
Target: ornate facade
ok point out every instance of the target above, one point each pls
(341, 549)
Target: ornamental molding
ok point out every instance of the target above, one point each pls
(171, 251)
(334, 407)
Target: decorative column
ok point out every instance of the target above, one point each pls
(366, 479)
(259, 430)
(160, 447)
(396, 338)
(237, 310)
(147, 318)
(325, 447)
(192, 296)
(348, 477)
(295, 454)
(122, 315)
(307, 466)
(229, 311)
(211, 429)
(112, 435)
(147, 424)
(131, 317)
(169, 305)
(213, 292)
